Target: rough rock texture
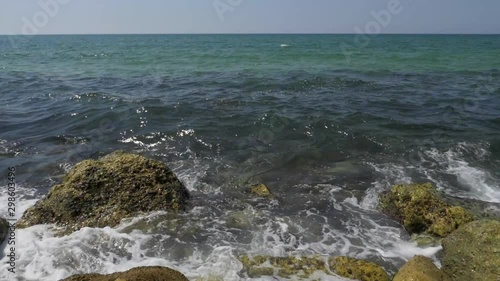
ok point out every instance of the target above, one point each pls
(99, 193)
(155, 273)
(473, 252)
(419, 209)
(422, 269)
(357, 269)
(260, 190)
(4, 229)
(282, 266)
(303, 267)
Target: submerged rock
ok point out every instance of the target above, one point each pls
(303, 267)
(260, 190)
(282, 266)
(419, 209)
(4, 229)
(99, 193)
(473, 251)
(135, 274)
(426, 240)
(422, 269)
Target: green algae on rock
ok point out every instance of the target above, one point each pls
(4, 229)
(261, 190)
(419, 209)
(422, 269)
(357, 269)
(304, 267)
(472, 252)
(283, 266)
(136, 274)
(99, 193)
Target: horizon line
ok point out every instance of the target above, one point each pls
(249, 33)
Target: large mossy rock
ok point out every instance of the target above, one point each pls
(422, 269)
(155, 273)
(303, 267)
(419, 208)
(4, 229)
(473, 252)
(99, 193)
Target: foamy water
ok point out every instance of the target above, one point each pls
(44, 256)
(476, 182)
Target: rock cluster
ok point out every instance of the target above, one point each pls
(305, 266)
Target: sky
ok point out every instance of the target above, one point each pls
(248, 16)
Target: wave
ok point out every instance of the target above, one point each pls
(473, 180)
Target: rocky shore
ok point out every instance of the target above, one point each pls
(100, 193)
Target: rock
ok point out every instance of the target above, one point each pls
(419, 209)
(282, 266)
(357, 269)
(473, 251)
(304, 267)
(99, 193)
(4, 229)
(135, 274)
(422, 269)
(260, 190)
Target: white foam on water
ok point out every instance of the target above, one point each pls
(391, 174)
(480, 184)
(44, 256)
(190, 174)
(22, 201)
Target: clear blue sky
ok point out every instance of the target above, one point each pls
(249, 16)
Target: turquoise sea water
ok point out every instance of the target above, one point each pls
(326, 123)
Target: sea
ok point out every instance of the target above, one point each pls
(327, 122)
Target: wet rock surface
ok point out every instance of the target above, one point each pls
(99, 193)
(473, 251)
(419, 209)
(422, 269)
(304, 267)
(136, 274)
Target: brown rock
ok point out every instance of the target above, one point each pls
(421, 268)
(155, 273)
